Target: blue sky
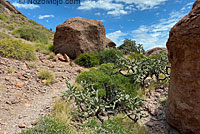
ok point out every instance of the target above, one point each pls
(146, 21)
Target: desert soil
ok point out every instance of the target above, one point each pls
(24, 97)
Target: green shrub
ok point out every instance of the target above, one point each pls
(51, 55)
(108, 55)
(3, 17)
(10, 70)
(46, 75)
(108, 127)
(31, 65)
(33, 22)
(4, 36)
(89, 103)
(43, 48)
(48, 125)
(129, 46)
(136, 56)
(87, 60)
(31, 34)
(99, 78)
(16, 49)
(105, 76)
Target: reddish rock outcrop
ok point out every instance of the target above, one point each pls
(154, 51)
(183, 110)
(78, 35)
(9, 6)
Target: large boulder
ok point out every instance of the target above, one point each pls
(154, 51)
(183, 106)
(78, 35)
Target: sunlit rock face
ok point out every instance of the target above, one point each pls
(78, 35)
(183, 106)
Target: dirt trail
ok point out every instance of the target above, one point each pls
(23, 97)
(26, 114)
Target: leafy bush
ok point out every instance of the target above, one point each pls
(63, 120)
(10, 70)
(46, 75)
(31, 34)
(130, 46)
(108, 55)
(43, 48)
(31, 65)
(107, 127)
(136, 56)
(105, 76)
(16, 49)
(87, 60)
(48, 125)
(89, 103)
(3, 17)
(144, 68)
(4, 36)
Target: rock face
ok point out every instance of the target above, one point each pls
(183, 46)
(9, 6)
(78, 35)
(154, 51)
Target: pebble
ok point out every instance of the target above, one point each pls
(22, 125)
(20, 84)
(34, 123)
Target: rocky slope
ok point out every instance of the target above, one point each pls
(23, 96)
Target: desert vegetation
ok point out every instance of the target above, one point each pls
(47, 76)
(108, 97)
(16, 49)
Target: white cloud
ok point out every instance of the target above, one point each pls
(117, 12)
(100, 4)
(107, 5)
(97, 14)
(120, 7)
(143, 4)
(117, 37)
(45, 16)
(26, 6)
(156, 35)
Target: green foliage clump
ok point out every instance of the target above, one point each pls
(31, 34)
(3, 17)
(63, 120)
(144, 68)
(136, 56)
(129, 46)
(4, 36)
(46, 75)
(48, 125)
(10, 70)
(89, 103)
(87, 60)
(106, 76)
(16, 49)
(108, 55)
(43, 48)
(108, 127)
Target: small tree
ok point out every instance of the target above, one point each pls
(130, 46)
